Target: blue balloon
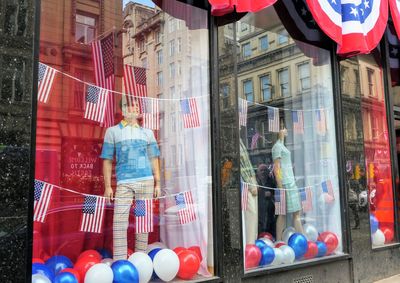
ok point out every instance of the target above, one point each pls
(65, 277)
(153, 253)
(58, 262)
(260, 244)
(298, 243)
(43, 269)
(374, 223)
(105, 253)
(267, 255)
(322, 249)
(124, 272)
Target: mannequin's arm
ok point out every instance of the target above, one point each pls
(107, 171)
(278, 172)
(156, 173)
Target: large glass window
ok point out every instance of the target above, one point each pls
(264, 43)
(290, 195)
(116, 179)
(246, 49)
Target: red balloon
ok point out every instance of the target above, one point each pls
(252, 256)
(279, 244)
(178, 250)
(389, 235)
(130, 252)
(83, 265)
(37, 260)
(312, 250)
(189, 264)
(197, 250)
(72, 271)
(90, 254)
(331, 241)
(268, 236)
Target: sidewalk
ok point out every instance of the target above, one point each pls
(393, 279)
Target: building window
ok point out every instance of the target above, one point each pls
(159, 57)
(283, 37)
(141, 45)
(265, 84)
(304, 76)
(172, 25)
(172, 48)
(85, 28)
(248, 90)
(179, 65)
(13, 81)
(371, 81)
(159, 36)
(159, 79)
(225, 96)
(144, 63)
(246, 50)
(15, 17)
(172, 70)
(179, 45)
(244, 27)
(264, 44)
(172, 91)
(283, 80)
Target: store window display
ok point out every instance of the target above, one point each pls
(120, 195)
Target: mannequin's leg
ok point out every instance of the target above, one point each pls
(297, 222)
(251, 219)
(122, 206)
(143, 190)
(280, 226)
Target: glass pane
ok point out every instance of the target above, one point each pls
(115, 169)
(288, 161)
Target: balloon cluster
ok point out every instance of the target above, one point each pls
(295, 246)
(98, 267)
(380, 235)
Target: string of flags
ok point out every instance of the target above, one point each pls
(93, 208)
(305, 194)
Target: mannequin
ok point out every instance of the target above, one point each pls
(284, 177)
(137, 170)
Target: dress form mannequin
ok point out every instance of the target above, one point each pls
(284, 176)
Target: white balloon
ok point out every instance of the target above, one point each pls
(310, 232)
(143, 264)
(288, 254)
(279, 242)
(268, 242)
(166, 264)
(278, 259)
(155, 245)
(99, 273)
(378, 238)
(40, 278)
(289, 231)
(108, 261)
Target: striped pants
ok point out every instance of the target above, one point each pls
(122, 205)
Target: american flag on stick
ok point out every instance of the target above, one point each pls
(298, 121)
(321, 121)
(45, 82)
(306, 198)
(280, 202)
(186, 208)
(96, 99)
(151, 113)
(103, 61)
(242, 112)
(135, 81)
(144, 216)
(273, 119)
(42, 197)
(190, 113)
(244, 195)
(92, 214)
(327, 188)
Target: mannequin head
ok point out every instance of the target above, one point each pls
(282, 133)
(131, 113)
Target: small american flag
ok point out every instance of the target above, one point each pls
(189, 113)
(242, 112)
(321, 121)
(135, 81)
(298, 122)
(254, 140)
(327, 188)
(306, 198)
(45, 80)
(273, 119)
(144, 215)
(92, 214)
(280, 202)
(42, 196)
(244, 195)
(186, 209)
(96, 99)
(103, 51)
(150, 113)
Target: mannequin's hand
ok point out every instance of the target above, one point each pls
(109, 194)
(157, 191)
(254, 190)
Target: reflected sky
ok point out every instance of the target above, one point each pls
(144, 2)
